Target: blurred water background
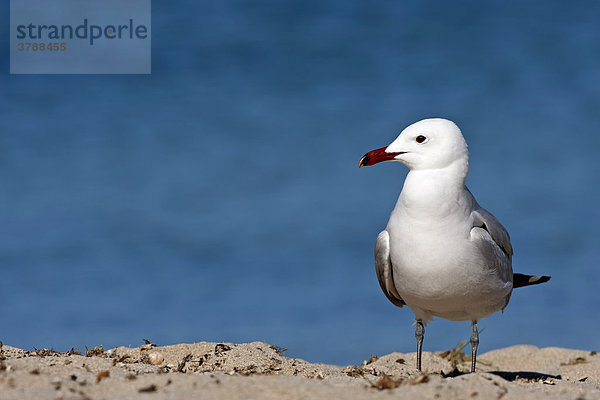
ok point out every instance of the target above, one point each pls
(219, 198)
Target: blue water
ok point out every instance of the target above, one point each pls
(219, 198)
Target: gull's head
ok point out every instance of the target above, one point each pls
(433, 143)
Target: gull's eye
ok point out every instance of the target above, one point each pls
(421, 139)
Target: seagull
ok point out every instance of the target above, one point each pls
(442, 254)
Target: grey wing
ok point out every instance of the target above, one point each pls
(494, 243)
(384, 270)
(485, 220)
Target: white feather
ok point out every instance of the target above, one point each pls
(449, 257)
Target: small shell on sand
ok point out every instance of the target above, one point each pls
(156, 358)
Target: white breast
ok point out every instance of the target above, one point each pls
(438, 270)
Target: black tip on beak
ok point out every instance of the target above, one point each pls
(364, 161)
(377, 156)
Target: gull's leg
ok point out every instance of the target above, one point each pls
(474, 344)
(419, 334)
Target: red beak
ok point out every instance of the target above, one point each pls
(377, 156)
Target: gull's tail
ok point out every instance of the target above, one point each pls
(520, 280)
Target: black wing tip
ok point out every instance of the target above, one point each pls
(543, 278)
(520, 280)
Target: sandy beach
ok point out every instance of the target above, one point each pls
(261, 371)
